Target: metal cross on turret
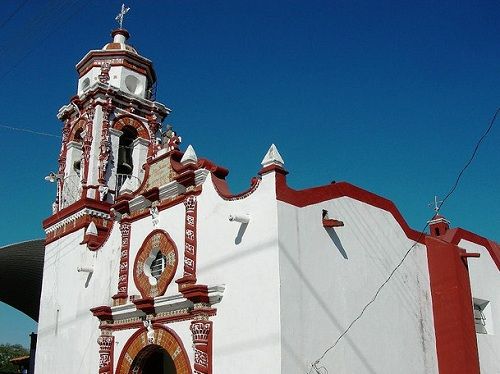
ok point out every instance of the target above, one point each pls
(121, 15)
(436, 205)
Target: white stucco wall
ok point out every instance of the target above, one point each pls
(327, 276)
(246, 335)
(485, 285)
(67, 340)
(172, 222)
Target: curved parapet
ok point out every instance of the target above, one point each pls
(21, 271)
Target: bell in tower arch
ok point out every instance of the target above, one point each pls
(125, 148)
(125, 159)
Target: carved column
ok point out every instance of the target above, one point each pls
(189, 276)
(121, 296)
(202, 345)
(87, 143)
(106, 346)
(62, 160)
(105, 146)
(154, 126)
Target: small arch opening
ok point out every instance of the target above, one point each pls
(153, 360)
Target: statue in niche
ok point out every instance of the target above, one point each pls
(171, 139)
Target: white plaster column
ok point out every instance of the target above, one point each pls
(93, 173)
(139, 156)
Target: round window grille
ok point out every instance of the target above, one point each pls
(155, 264)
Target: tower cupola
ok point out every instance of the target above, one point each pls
(118, 65)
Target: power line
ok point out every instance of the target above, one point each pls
(476, 148)
(13, 14)
(30, 131)
(38, 26)
(322, 369)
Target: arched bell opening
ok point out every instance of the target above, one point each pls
(125, 149)
(77, 164)
(153, 360)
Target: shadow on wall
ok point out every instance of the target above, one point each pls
(336, 240)
(241, 232)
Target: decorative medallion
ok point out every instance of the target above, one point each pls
(155, 264)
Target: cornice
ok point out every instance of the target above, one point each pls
(101, 93)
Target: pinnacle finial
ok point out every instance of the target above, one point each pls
(189, 156)
(272, 157)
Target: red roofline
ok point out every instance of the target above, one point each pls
(316, 195)
(455, 235)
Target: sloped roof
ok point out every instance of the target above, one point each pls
(21, 271)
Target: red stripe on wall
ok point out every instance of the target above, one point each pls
(452, 307)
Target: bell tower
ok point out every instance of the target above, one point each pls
(110, 128)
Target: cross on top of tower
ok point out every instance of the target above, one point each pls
(121, 15)
(436, 205)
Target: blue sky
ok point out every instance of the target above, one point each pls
(388, 95)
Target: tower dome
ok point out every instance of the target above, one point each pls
(120, 36)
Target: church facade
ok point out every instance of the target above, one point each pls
(153, 266)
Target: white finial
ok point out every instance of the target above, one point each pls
(436, 205)
(91, 229)
(189, 156)
(272, 157)
(119, 17)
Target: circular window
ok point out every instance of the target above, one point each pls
(85, 83)
(155, 264)
(133, 84)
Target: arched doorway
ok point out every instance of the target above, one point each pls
(159, 353)
(153, 360)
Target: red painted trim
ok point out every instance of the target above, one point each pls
(316, 195)
(77, 206)
(456, 343)
(126, 120)
(273, 168)
(329, 223)
(116, 325)
(190, 242)
(471, 255)
(103, 313)
(79, 125)
(202, 345)
(146, 305)
(219, 171)
(152, 194)
(454, 236)
(196, 293)
(123, 270)
(145, 65)
(222, 188)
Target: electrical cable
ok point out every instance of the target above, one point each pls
(62, 14)
(314, 365)
(29, 131)
(13, 14)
